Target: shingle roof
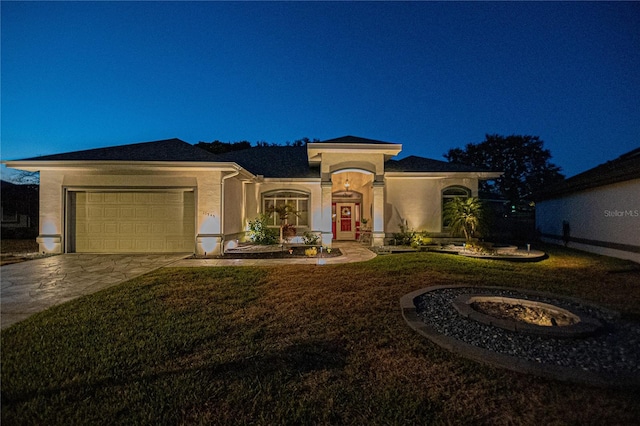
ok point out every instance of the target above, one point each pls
(164, 150)
(354, 139)
(274, 161)
(623, 168)
(269, 161)
(425, 165)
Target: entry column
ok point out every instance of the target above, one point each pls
(325, 226)
(377, 235)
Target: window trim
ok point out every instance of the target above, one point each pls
(300, 196)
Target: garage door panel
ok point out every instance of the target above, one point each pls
(143, 213)
(143, 229)
(95, 244)
(141, 198)
(126, 212)
(141, 245)
(134, 222)
(125, 228)
(110, 197)
(95, 212)
(95, 197)
(155, 245)
(95, 228)
(125, 197)
(111, 245)
(126, 245)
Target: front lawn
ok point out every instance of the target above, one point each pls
(296, 345)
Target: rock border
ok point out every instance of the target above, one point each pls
(508, 362)
(585, 325)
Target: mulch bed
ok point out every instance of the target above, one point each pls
(298, 252)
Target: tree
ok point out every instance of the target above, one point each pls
(464, 216)
(284, 211)
(23, 177)
(523, 160)
(218, 147)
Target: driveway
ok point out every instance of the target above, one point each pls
(36, 285)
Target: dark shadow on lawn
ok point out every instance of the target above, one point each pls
(294, 360)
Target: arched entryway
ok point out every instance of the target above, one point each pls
(351, 201)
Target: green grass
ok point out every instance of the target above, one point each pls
(295, 345)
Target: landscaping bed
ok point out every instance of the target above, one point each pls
(253, 251)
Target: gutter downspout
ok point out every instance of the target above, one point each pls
(234, 174)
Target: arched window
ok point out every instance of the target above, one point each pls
(297, 199)
(449, 194)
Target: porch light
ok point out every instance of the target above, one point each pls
(346, 184)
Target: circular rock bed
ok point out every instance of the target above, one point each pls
(603, 350)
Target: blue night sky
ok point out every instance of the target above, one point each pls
(432, 76)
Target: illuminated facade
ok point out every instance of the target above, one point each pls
(169, 196)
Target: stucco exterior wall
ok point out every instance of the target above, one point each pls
(604, 220)
(335, 161)
(233, 199)
(418, 201)
(205, 183)
(254, 191)
(51, 225)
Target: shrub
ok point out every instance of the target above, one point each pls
(421, 239)
(310, 239)
(404, 237)
(260, 233)
(480, 247)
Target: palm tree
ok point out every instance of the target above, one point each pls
(284, 211)
(464, 215)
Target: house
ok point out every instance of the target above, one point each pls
(170, 196)
(597, 210)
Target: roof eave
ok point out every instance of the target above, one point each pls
(315, 150)
(36, 166)
(433, 175)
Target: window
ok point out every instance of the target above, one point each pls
(297, 199)
(449, 194)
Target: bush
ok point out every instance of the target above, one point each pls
(421, 239)
(480, 247)
(310, 239)
(404, 237)
(260, 233)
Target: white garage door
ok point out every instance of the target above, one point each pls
(132, 222)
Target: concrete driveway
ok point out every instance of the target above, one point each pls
(36, 285)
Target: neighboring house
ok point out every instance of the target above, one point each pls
(19, 205)
(596, 211)
(170, 196)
